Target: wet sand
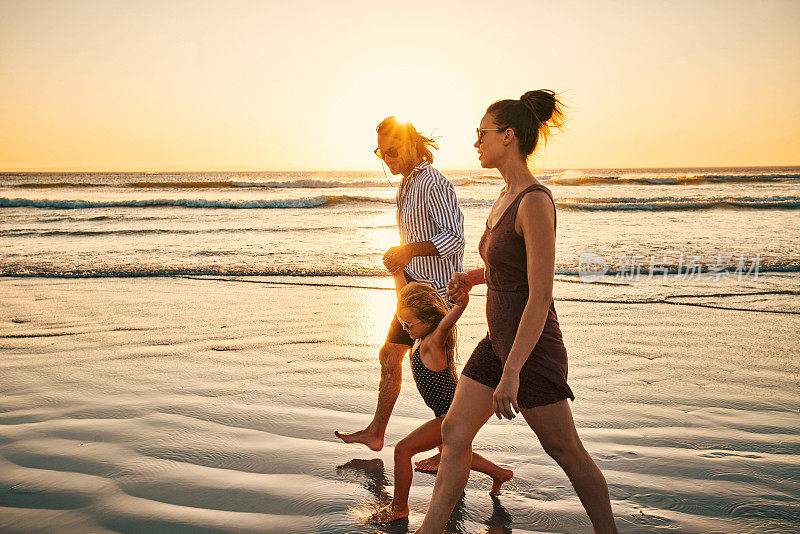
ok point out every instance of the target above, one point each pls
(189, 405)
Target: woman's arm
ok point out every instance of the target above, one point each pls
(535, 218)
(476, 277)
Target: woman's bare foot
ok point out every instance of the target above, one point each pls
(389, 514)
(505, 476)
(365, 437)
(429, 465)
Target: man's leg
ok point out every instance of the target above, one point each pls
(391, 358)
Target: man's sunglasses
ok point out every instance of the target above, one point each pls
(392, 153)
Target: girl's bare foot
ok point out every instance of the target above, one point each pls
(504, 476)
(389, 514)
(364, 437)
(429, 465)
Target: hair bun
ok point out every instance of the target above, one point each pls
(532, 117)
(541, 102)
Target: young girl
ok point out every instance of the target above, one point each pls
(425, 316)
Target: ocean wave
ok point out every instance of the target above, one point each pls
(678, 203)
(788, 266)
(770, 266)
(574, 179)
(143, 272)
(56, 185)
(32, 232)
(288, 203)
(305, 183)
(492, 178)
(586, 203)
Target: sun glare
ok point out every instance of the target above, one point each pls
(431, 97)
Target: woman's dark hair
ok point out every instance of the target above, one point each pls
(409, 135)
(531, 117)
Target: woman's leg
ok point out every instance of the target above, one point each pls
(555, 428)
(471, 408)
(424, 438)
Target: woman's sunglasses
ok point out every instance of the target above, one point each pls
(391, 153)
(482, 131)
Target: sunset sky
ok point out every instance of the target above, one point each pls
(258, 85)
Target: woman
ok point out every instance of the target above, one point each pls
(521, 365)
(431, 251)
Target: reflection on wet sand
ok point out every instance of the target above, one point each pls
(372, 476)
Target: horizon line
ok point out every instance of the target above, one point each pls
(471, 169)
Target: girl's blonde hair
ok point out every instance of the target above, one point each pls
(430, 308)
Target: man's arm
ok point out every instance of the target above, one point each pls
(444, 210)
(396, 258)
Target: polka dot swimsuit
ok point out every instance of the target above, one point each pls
(436, 387)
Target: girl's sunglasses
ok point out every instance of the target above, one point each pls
(407, 326)
(391, 153)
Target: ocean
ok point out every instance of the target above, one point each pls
(719, 230)
(325, 223)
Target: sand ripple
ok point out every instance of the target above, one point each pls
(139, 422)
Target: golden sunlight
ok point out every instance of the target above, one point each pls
(431, 96)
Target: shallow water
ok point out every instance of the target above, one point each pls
(140, 224)
(185, 405)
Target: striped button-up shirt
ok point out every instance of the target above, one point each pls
(427, 210)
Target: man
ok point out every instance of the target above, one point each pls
(432, 249)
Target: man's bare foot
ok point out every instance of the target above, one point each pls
(389, 514)
(364, 437)
(429, 465)
(505, 476)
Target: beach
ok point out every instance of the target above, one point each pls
(178, 349)
(204, 206)
(208, 404)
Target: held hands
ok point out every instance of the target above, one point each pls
(462, 300)
(458, 287)
(505, 396)
(396, 258)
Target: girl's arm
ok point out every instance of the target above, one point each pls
(536, 218)
(449, 320)
(400, 280)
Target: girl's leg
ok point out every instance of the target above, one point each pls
(471, 408)
(499, 475)
(425, 437)
(555, 428)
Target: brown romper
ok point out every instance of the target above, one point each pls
(543, 378)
